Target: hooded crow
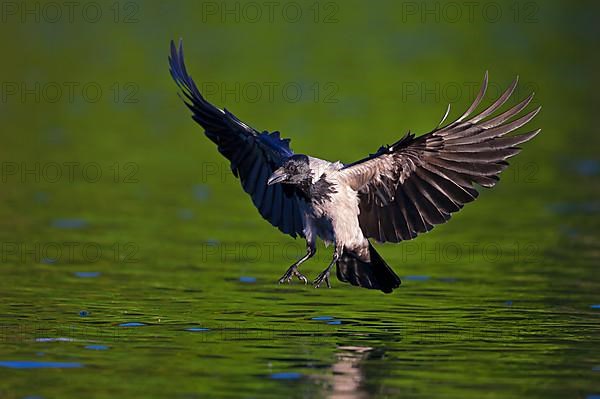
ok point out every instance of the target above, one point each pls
(392, 195)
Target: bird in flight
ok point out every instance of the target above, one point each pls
(392, 195)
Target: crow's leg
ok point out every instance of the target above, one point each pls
(324, 275)
(293, 269)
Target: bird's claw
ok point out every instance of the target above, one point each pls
(301, 277)
(323, 276)
(292, 272)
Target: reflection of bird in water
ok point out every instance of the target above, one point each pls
(392, 195)
(347, 379)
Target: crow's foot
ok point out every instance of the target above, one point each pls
(323, 276)
(290, 273)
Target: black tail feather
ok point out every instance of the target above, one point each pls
(373, 275)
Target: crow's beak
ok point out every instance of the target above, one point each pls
(277, 177)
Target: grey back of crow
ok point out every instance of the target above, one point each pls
(392, 195)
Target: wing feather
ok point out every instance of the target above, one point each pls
(253, 155)
(418, 182)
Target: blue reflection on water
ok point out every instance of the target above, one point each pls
(587, 167)
(185, 214)
(40, 197)
(201, 192)
(286, 376)
(417, 278)
(69, 223)
(322, 318)
(28, 364)
(87, 274)
(97, 347)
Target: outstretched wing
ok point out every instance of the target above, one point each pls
(253, 155)
(408, 187)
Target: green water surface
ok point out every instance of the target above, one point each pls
(151, 228)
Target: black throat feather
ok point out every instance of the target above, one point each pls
(318, 192)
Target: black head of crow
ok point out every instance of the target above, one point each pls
(390, 196)
(295, 170)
